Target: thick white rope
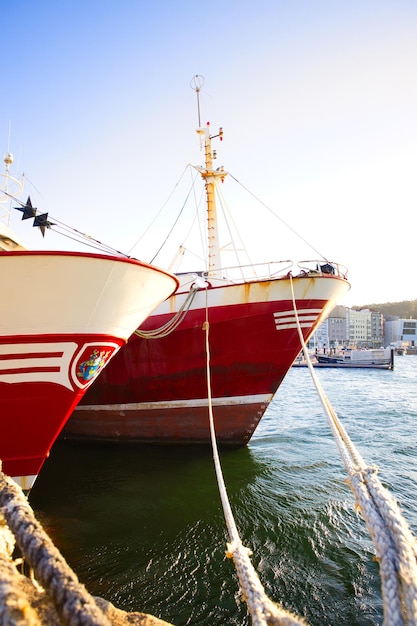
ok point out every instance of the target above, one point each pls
(174, 322)
(74, 605)
(396, 547)
(263, 611)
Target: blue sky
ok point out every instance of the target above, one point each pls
(318, 101)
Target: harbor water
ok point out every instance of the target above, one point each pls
(143, 527)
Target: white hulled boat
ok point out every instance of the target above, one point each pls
(64, 316)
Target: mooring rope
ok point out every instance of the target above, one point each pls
(263, 611)
(74, 605)
(175, 321)
(396, 547)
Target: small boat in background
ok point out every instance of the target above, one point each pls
(156, 389)
(379, 358)
(64, 315)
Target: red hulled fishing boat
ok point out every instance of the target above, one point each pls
(156, 390)
(64, 316)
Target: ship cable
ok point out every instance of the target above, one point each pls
(174, 322)
(263, 611)
(52, 594)
(71, 600)
(396, 547)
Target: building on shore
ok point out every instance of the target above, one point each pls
(364, 328)
(401, 332)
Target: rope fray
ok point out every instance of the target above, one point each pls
(395, 545)
(262, 609)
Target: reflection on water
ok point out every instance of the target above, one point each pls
(143, 526)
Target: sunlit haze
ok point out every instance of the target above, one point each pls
(318, 102)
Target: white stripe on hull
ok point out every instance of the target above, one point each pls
(290, 315)
(287, 320)
(22, 357)
(177, 404)
(16, 361)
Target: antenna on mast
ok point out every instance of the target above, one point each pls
(10, 130)
(196, 83)
(9, 185)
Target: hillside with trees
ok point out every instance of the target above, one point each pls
(405, 309)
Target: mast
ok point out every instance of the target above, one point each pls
(9, 186)
(210, 177)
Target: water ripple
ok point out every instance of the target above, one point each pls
(143, 527)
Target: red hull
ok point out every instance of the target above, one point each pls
(155, 391)
(174, 367)
(44, 384)
(63, 317)
(187, 424)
